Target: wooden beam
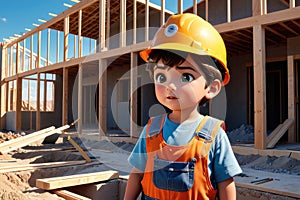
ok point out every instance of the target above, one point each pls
(162, 12)
(38, 104)
(270, 18)
(69, 195)
(24, 140)
(35, 166)
(80, 116)
(123, 23)
(65, 94)
(133, 94)
(79, 149)
(66, 37)
(292, 137)
(101, 37)
(18, 121)
(259, 73)
(73, 180)
(102, 96)
(275, 136)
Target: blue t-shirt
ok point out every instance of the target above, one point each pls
(222, 163)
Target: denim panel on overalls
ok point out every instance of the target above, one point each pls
(174, 176)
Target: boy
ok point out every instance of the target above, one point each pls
(182, 154)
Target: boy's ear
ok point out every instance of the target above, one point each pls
(213, 89)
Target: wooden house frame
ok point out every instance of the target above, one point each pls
(265, 26)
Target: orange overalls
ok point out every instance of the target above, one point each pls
(179, 172)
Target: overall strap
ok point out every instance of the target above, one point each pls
(155, 125)
(207, 130)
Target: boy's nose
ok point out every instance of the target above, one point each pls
(171, 86)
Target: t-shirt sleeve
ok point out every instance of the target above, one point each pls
(138, 156)
(224, 163)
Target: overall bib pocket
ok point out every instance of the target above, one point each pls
(175, 176)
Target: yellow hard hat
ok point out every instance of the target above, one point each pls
(190, 33)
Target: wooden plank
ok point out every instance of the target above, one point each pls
(274, 137)
(73, 180)
(25, 140)
(260, 121)
(66, 37)
(162, 12)
(80, 150)
(65, 96)
(80, 97)
(19, 105)
(24, 167)
(102, 32)
(69, 195)
(38, 103)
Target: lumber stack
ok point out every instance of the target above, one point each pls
(83, 186)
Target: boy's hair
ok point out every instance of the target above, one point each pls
(209, 66)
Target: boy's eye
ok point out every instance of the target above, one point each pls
(187, 78)
(160, 78)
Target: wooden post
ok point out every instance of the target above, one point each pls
(48, 46)
(80, 99)
(292, 3)
(162, 12)
(133, 93)
(291, 98)
(259, 7)
(38, 104)
(206, 10)
(65, 97)
(195, 7)
(180, 6)
(102, 96)
(39, 51)
(19, 105)
(108, 23)
(123, 23)
(134, 20)
(31, 53)
(228, 10)
(101, 38)
(79, 33)
(146, 20)
(57, 47)
(259, 73)
(23, 55)
(66, 38)
(17, 58)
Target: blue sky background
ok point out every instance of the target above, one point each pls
(16, 15)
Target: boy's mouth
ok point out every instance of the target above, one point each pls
(171, 97)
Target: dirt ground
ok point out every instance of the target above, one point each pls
(21, 185)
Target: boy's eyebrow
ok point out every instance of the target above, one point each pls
(161, 67)
(185, 68)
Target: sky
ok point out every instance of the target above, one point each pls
(16, 15)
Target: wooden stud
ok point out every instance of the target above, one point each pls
(48, 46)
(79, 149)
(180, 6)
(38, 62)
(38, 102)
(57, 46)
(80, 116)
(31, 53)
(45, 95)
(228, 10)
(195, 7)
(66, 37)
(101, 38)
(133, 94)
(17, 70)
(65, 96)
(259, 73)
(206, 10)
(102, 96)
(134, 20)
(107, 23)
(162, 12)
(291, 97)
(146, 20)
(292, 3)
(123, 23)
(276, 135)
(23, 55)
(18, 121)
(79, 33)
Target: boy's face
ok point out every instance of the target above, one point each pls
(180, 87)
